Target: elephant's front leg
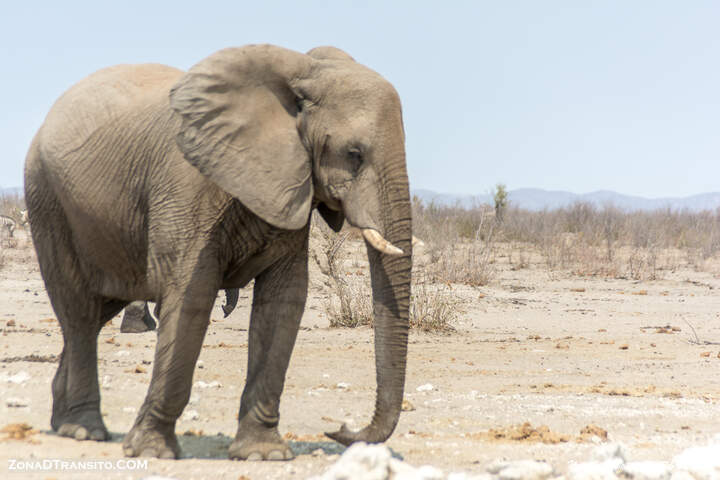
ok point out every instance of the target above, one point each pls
(278, 304)
(185, 316)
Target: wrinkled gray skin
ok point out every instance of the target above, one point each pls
(149, 183)
(138, 319)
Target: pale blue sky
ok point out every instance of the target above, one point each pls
(568, 95)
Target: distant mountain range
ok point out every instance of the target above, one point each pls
(537, 199)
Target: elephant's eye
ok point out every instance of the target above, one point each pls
(355, 155)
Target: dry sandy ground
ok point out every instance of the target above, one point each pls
(563, 353)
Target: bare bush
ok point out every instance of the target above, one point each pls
(350, 304)
(432, 307)
(581, 239)
(460, 242)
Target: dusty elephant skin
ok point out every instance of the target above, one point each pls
(149, 183)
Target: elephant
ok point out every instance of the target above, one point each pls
(146, 182)
(138, 319)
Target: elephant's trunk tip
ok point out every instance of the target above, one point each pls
(345, 436)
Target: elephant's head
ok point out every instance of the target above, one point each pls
(283, 131)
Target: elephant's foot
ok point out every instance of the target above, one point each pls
(87, 425)
(255, 441)
(151, 438)
(137, 319)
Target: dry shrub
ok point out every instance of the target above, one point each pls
(350, 305)
(433, 308)
(460, 242)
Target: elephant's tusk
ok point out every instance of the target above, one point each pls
(379, 243)
(417, 242)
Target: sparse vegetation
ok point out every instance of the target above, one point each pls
(432, 307)
(581, 239)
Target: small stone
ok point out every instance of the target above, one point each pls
(425, 388)
(14, 402)
(213, 384)
(343, 385)
(10, 323)
(191, 415)
(407, 406)
(19, 378)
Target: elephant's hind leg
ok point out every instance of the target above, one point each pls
(76, 394)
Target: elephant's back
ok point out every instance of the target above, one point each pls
(100, 99)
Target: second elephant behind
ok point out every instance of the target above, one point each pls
(137, 317)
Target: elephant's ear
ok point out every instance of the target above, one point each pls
(333, 218)
(239, 129)
(329, 53)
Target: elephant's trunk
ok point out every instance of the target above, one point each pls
(390, 276)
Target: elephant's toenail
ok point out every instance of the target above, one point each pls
(129, 452)
(149, 452)
(167, 454)
(98, 435)
(81, 433)
(276, 455)
(255, 457)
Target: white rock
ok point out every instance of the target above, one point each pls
(681, 475)
(360, 462)
(594, 470)
(213, 384)
(191, 415)
(343, 385)
(425, 388)
(106, 381)
(19, 378)
(647, 470)
(521, 470)
(703, 463)
(465, 476)
(122, 353)
(14, 402)
(609, 451)
(375, 462)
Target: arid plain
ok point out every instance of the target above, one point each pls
(533, 362)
